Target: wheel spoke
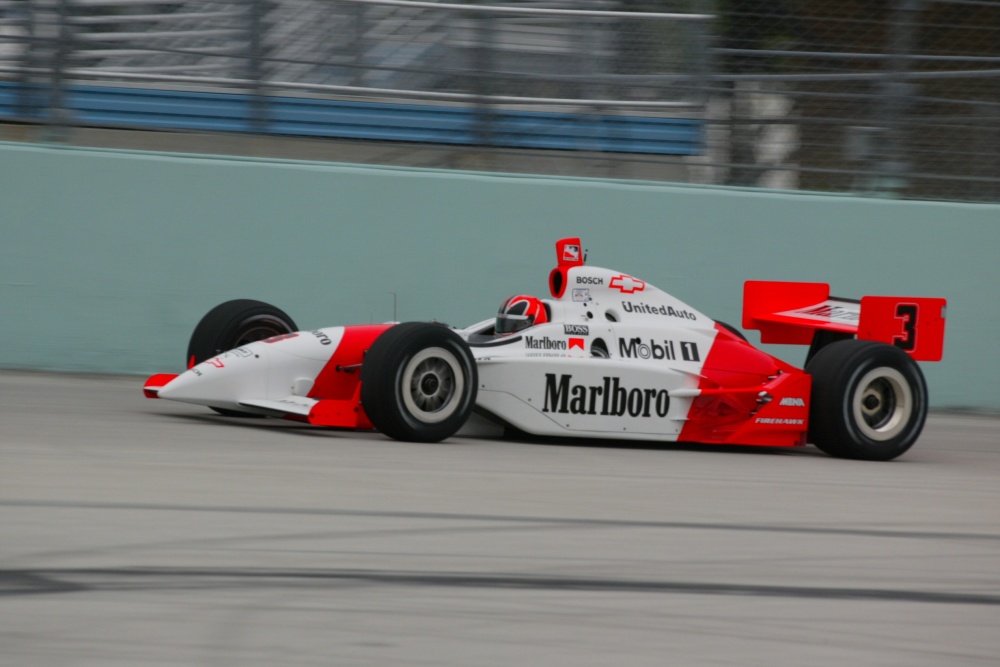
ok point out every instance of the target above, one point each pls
(432, 385)
(883, 403)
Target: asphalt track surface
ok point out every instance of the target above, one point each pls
(139, 532)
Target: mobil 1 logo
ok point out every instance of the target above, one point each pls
(667, 350)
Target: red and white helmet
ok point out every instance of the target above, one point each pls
(520, 312)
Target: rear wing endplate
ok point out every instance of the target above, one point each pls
(792, 313)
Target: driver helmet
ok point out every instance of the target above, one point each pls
(520, 312)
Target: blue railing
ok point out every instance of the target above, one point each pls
(109, 106)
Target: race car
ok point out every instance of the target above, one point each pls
(605, 355)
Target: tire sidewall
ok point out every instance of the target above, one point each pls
(225, 326)
(856, 431)
(385, 376)
(839, 373)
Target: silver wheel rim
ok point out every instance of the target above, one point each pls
(432, 385)
(882, 404)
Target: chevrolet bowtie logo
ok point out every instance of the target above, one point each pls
(627, 284)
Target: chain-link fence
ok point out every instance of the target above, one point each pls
(898, 98)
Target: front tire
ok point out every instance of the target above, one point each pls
(233, 324)
(419, 382)
(869, 400)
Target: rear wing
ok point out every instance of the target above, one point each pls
(793, 313)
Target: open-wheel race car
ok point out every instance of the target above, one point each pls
(607, 355)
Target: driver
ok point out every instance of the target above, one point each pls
(520, 312)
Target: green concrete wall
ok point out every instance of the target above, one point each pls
(109, 258)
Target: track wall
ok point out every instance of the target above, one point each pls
(109, 258)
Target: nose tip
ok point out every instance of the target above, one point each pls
(221, 381)
(175, 389)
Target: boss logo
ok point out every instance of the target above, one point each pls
(576, 329)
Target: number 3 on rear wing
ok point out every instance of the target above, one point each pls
(792, 313)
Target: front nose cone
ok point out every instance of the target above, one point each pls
(222, 381)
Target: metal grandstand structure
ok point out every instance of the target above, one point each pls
(898, 98)
(360, 47)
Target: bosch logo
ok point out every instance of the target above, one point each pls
(589, 280)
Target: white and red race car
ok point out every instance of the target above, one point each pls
(607, 356)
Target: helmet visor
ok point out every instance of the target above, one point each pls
(507, 323)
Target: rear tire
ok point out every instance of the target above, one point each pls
(869, 400)
(419, 382)
(233, 324)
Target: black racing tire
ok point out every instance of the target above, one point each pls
(869, 400)
(419, 382)
(233, 324)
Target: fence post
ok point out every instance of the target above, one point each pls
(259, 103)
(26, 94)
(702, 52)
(485, 53)
(58, 121)
(358, 43)
(897, 97)
(42, 78)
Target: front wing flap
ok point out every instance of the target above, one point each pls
(335, 413)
